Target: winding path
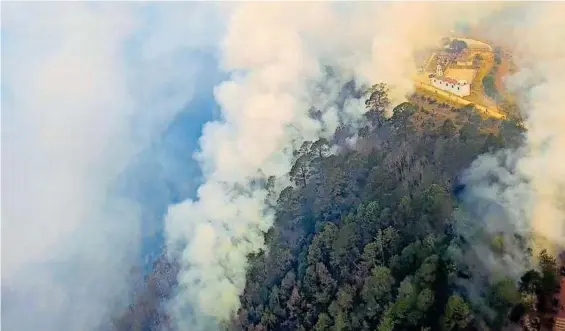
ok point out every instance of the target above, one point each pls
(501, 72)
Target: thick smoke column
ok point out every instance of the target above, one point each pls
(543, 163)
(521, 191)
(265, 115)
(276, 53)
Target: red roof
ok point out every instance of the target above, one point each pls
(448, 80)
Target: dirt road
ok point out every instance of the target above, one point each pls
(477, 90)
(502, 71)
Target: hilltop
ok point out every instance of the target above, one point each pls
(364, 238)
(464, 71)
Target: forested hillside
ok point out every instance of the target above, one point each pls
(362, 240)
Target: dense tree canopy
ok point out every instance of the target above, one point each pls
(368, 230)
(361, 240)
(364, 240)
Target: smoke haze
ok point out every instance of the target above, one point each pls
(79, 102)
(83, 92)
(276, 53)
(521, 191)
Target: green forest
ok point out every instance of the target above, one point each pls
(362, 240)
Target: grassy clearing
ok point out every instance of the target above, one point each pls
(489, 87)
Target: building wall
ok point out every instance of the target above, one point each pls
(460, 90)
(432, 90)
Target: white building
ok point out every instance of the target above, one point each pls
(461, 88)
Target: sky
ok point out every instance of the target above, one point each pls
(128, 127)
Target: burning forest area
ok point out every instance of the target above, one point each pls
(263, 166)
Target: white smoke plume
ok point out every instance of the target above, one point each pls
(77, 105)
(275, 53)
(521, 191)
